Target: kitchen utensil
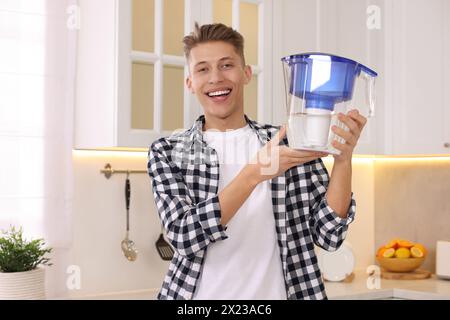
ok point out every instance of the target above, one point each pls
(163, 247)
(318, 87)
(128, 248)
(443, 259)
(400, 264)
(337, 265)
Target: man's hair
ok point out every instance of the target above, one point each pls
(214, 32)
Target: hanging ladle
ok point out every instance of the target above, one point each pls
(128, 245)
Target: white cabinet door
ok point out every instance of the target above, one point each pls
(104, 107)
(419, 77)
(96, 101)
(446, 65)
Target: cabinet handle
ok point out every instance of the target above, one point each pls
(447, 145)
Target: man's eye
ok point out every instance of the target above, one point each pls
(201, 70)
(227, 66)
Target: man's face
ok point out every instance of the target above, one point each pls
(217, 77)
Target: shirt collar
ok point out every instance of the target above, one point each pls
(196, 131)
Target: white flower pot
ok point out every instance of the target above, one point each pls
(28, 285)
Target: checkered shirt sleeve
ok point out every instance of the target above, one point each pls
(327, 228)
(190, 227)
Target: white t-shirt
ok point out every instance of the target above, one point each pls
(246, 265)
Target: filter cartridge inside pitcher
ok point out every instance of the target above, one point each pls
(312, 131)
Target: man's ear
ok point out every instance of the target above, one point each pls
(248, 74)
(189, 84)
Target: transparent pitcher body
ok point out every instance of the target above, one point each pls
(318, 87)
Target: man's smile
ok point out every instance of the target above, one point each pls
(219, 95)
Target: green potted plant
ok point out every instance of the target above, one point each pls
(22, 275)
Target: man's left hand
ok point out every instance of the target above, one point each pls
(355, 122)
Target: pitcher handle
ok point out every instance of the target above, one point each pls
(368, 76)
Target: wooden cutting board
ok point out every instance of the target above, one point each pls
(413, 275)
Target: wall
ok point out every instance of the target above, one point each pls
(395, 198)
(99, 227)
(412, 202)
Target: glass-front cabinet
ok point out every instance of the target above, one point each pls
(131, 71)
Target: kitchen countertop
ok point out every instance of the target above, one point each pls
(424, 289)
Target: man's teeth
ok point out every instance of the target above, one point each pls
(218, 93)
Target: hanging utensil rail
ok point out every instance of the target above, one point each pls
(108, 171)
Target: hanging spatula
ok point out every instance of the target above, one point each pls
(128, 247)
(163, 247)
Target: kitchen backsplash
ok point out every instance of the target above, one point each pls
(395, 198)
(412, 202)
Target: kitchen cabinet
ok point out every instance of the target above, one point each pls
(130, 69)
(102, 112)
(123, 96)
(418, 77)
(409, 49)
(96, 83)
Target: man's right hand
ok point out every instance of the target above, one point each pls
(273, 160)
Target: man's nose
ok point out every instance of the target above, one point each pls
(215, 76)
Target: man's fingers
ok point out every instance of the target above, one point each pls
(361, 120)
(346, 135)
(349, 122)
(303, 153)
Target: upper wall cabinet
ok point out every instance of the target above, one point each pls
(130, 87)
(130, 73)
(406, 41)
(418, 77)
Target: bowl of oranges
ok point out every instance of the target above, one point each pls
(401, 255)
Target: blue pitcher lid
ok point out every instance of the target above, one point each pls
(296, 58)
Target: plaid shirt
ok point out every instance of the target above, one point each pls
(184, 172)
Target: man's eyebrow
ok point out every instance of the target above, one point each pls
(221, 59)
(199, 63)
(226, 58)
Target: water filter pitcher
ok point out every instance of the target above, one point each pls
(318, 87)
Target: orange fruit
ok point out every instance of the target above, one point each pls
(388, 253)
(392, 244)
(405, 244)
(402, 253)
(422, 248)
(380, 251)
(416, 252)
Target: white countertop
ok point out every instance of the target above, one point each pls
(424, 289)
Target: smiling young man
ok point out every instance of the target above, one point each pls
(242, 209)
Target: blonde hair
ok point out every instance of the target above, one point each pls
(214, 32)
